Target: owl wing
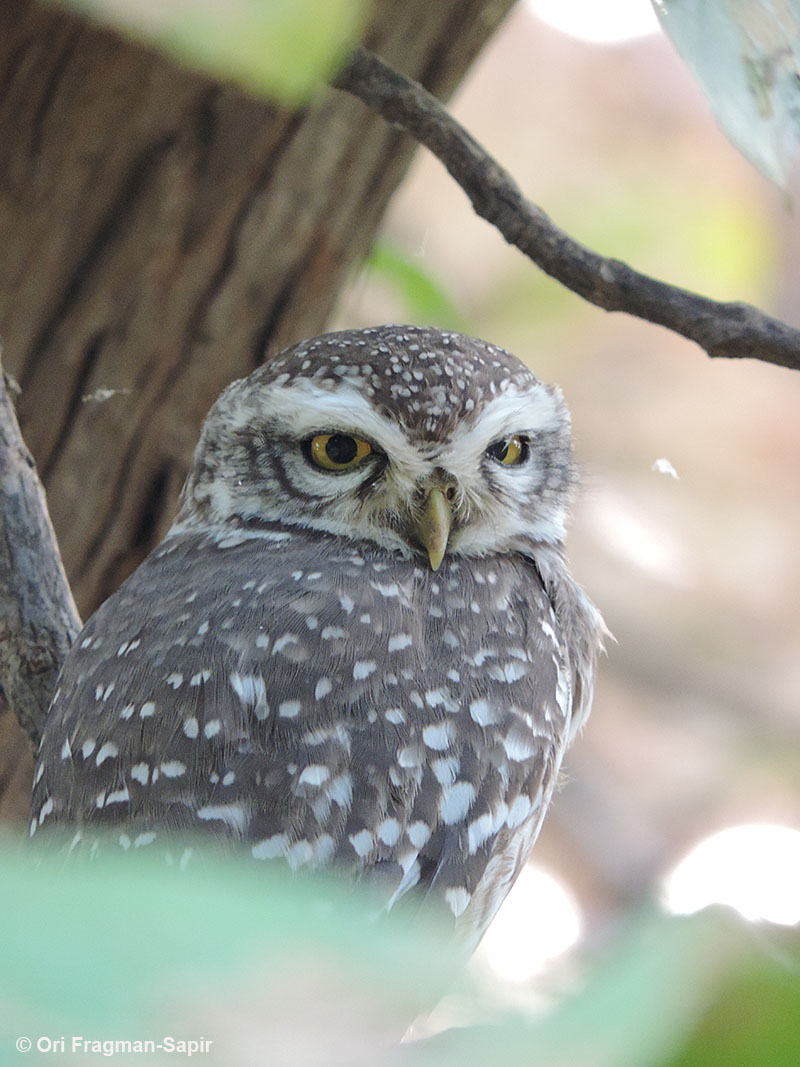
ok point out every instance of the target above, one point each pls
(322, 704)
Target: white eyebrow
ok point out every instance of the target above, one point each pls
(303, 407)
(534, 409)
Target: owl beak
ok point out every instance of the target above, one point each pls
(433, 526)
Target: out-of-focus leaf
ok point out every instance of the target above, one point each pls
(278, 48)
(292, 972)
(746, 56)
(426, 301)
(295, 970)
(754, 1017)
(660, 997)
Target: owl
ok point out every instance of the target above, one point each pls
(359, 645)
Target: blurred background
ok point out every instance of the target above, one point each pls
(694, 562)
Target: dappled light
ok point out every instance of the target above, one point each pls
(600, 23)
(754, 869)
(538, 922)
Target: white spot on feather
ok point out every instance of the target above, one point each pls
(271, 847)
(418, 833)
(438, 736)
(508, 672)
(324, 848)
(389, 590)
(518, 812)
(323, 687)
(399, 641)
(457, 900)
(233, 815)
(121, 796)
(249, 688)
(315, 774)
(456, 801)
(300, 853)
(340, 790)
(479, 831)
(410, 756)
(362, 842)
(518, 748)
(173, 769)
(389, 831)
(140, 772)
(108, 750)
(446, 769)
(483, 713)
(283, 641)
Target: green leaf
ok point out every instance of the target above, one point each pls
(745, 54)
(426, 301)
(754, 1016)
(281, 49)
(668, 992)
(284, 970)
(125, 946)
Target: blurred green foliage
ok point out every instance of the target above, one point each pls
(700, 991)
(691, 235)
(127, 947)
(282, 49)
(424, 298)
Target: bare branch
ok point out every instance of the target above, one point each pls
(734, 330)
(38, 617)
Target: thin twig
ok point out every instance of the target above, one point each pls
(38, 617)
(734, 330)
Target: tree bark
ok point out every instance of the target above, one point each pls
(161, 234)
(38, 618)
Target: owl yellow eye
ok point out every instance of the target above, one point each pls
(337, 451)
(509, 452)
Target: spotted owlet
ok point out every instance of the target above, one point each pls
(359, 644)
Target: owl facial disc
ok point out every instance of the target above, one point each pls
(416, 440)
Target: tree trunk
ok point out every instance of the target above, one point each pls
(161, 234)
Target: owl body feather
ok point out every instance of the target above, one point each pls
(323, 699)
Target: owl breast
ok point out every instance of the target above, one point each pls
(317, 701)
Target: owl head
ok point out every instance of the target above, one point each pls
(424, 441)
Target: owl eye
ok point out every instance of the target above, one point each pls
(510, 452)
(337, 451)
